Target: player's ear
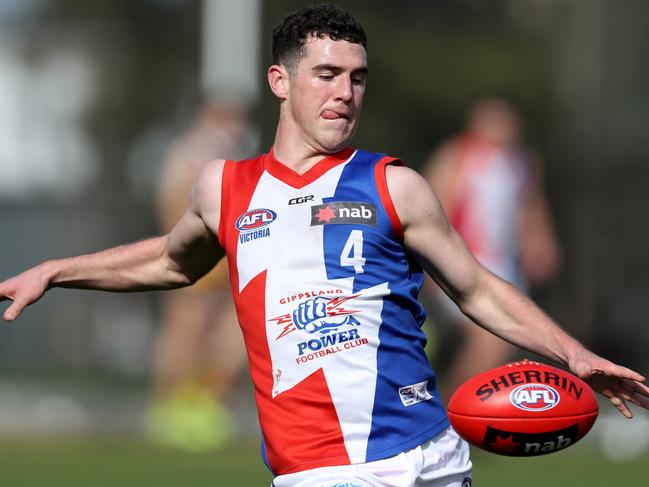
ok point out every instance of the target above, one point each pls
(278, 80)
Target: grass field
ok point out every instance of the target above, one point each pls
(94, 463)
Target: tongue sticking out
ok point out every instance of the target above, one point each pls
(330, 115)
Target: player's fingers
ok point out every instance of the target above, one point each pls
(637, 399)
(621, 406)
(637, 393)
(639, 387)
(4, 293)
(624, 373)
(13, 311)
(630, 391)
(641, 401)
(616, 399)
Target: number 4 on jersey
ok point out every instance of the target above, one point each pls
(352, 254)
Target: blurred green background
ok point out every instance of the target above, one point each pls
(91, 94)
(105, 463)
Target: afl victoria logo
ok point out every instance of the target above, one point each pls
(254, 219)
(534, 397)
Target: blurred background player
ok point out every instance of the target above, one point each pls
(491, 187)
(199, 351)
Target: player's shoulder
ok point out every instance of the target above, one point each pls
(396, 168)
(210, 173)
(207, 184)
(404, 178)
(413, 198)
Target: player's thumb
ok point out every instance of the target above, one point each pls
(13, 311)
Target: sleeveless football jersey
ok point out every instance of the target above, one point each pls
(327, 301)
(490, 187)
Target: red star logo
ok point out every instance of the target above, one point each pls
(325, 214)
(503, 445)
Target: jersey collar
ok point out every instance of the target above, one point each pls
(290, 177)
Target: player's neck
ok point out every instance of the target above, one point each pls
(295, 152)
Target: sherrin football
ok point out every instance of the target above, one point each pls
(523, 409)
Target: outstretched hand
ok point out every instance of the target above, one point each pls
(618, 384)
(23, 289)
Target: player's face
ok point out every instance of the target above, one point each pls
(326, 93)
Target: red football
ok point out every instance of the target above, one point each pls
(523, 409)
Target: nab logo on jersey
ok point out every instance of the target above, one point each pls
(534, 397)
(254, 219)
(343, 212)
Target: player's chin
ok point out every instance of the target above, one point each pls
(336, 139)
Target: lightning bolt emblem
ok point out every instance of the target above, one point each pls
(334, 306)
(287, 321)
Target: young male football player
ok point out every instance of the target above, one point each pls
(326, 246)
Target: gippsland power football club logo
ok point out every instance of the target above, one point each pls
(534, 397)
(253, 224)
(318, 315)
(329, 325)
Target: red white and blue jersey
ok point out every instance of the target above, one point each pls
(326, 297)
(491, 183)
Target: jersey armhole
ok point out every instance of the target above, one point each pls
(226, 187)
(384, 194)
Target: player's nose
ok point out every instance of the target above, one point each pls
(344, 91)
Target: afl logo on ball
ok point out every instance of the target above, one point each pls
(534, 397)
(254, 219)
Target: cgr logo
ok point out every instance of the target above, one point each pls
(254, 219)
(300, 199)
(534, 397)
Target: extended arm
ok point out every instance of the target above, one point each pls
(171, 261)
(493, 303)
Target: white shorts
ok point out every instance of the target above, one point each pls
(440, 462)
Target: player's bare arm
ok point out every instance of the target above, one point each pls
(166, 262)
(192, 244)
(492, 302)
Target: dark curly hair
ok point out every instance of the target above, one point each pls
(326, 20)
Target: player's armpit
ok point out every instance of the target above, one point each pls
(191, 248)
(192, 245)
